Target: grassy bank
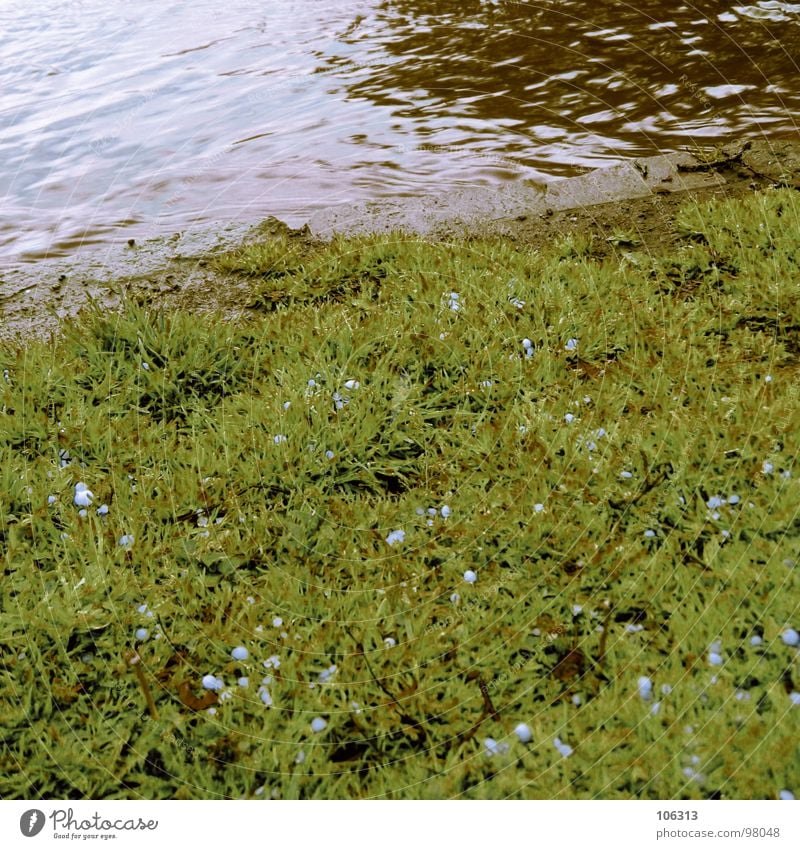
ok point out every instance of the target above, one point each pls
(442, 495)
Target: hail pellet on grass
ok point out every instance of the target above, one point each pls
(451, 590)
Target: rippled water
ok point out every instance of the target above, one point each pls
(122, 119)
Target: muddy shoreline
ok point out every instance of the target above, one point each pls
(636, 199)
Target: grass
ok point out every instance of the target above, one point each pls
(627, 501)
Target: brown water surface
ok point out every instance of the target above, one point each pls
(122, 120)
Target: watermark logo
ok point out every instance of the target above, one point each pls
(31, 822)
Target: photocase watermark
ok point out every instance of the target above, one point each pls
(31, 822)
(66, 826)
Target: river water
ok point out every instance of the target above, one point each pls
(122, 119)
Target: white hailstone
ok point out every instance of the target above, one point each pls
(487, 384)
(272, 662)
(146, 366)
(102, 510)
(524, 734)
(265, 696)
(244, 681)
(446, 511)
(587, 399)
(756, 640)
(326, 674)
(351, 384)
(83, 513)
(726, 534)
(389, 642)
(395, 537)
(312, 383)
(301, 756)
(125, 540)
(318, 724)
(577, 700)
(250, 600)
(51, 499)
(786, 474)
(142, 608)
(791, 637)
(356, 707)
(786, 795)
(211, 682)
(212, 711)
(329, 455)
(431, 511)
(564, 749)
(287, 404)
(645, 688)
(526, 343)
(517, 302)
(455, 598)
(470, 577)
(650, 533)
(733, 499)
(537, 508)
(266, 681)
(633, 629)
(277, 622)
(666, 689)
(715, 659)
(626, 474)
(592, 446)
(569, 418)
(794, 698)
(767, 378)
(420, 511)
(240, 653)
(83, 496)
(279, 438)
(429, 523)
(715, 515)
(713, 502)
(571, 345)
(577, 609)
(767, 468)
(141, 633)
(492, 747)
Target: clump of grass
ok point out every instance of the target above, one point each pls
(607, 456)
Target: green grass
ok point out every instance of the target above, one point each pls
(213, 458)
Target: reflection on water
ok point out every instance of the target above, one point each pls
(121, 120)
